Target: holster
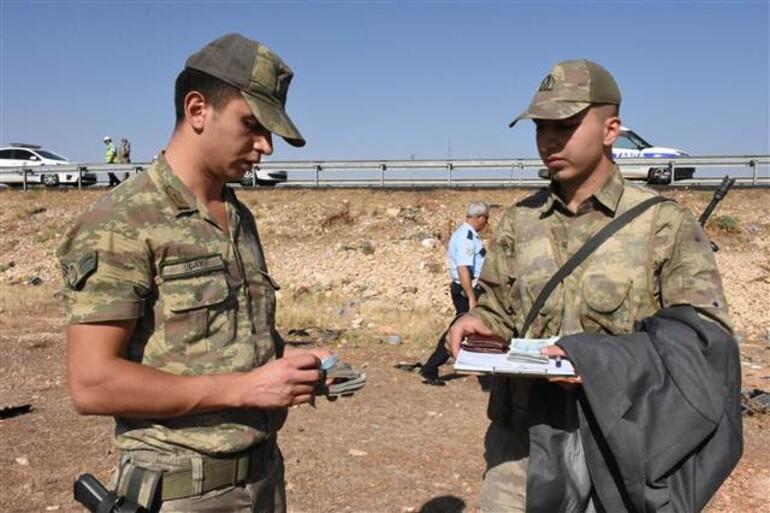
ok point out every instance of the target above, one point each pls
(140, 485)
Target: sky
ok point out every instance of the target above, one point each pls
(389, 80)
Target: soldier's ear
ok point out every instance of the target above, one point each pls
(611, 130)
(195, 110)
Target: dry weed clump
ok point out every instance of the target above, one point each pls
(308, 307)
(34, 209)
(341, 216)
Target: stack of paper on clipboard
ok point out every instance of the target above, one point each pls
(523, 358)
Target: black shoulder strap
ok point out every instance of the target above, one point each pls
(581, 254)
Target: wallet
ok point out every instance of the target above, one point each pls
(485, 344)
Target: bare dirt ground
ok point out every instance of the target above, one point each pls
(368, 263)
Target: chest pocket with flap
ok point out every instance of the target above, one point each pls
(606, 305)
(196, 298)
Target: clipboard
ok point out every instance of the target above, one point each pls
(498, 364)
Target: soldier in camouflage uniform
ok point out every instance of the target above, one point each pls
(662, 258)
(171, 309)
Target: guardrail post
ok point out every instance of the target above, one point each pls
(753, 164)
(24, 178)
(254, 176)
(317, 172)
(520, 165)
(383, 167)
(80, 177)
(671, 171)
(449, 168)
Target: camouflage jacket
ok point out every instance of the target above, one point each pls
(660, 259)
(203, 300)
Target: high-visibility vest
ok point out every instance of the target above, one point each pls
(110, 155)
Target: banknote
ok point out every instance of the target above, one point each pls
(527, 350)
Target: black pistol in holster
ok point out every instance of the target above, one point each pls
(96, 498)
(719, 195)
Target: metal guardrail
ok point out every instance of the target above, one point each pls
(513, 169)
(34, 175)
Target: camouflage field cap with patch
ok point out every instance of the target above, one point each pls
(258, 72)
(571, 87)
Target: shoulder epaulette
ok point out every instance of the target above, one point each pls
(535, 200)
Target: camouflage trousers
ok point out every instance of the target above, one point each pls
(506, 451)
(263, 491)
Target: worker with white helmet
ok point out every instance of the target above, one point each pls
(110, 157)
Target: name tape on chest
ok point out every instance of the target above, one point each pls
(192, 267)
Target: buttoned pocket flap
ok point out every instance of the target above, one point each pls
(196, 292)
(603, 294)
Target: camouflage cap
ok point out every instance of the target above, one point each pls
(258, 72)
(571, 87)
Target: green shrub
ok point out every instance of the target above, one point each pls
(727, 224)
(367, 247)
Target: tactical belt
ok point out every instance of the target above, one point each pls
(217, 473)
(204, 474)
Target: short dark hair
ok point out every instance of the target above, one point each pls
(614, 109)
(217, 93)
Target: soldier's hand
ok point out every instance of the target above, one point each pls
(464, 326)
(564, 382)
(283, 382)
(318, 352)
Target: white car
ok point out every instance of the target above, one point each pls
(630, 145)
(30, 156)
(264, 177)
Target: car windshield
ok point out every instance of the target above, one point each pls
(626, 143)
(636, 140)
(51, 155)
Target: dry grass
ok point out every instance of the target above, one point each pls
(308, 308)
(363, 321)
(27, 302)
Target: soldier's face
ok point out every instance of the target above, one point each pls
(572, 148)
(234, 140)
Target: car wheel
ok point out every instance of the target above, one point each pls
(247, 179)
(50, 180)
(659, 175)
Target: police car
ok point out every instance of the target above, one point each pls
(631, 145)
(264, 177)
(30, 156)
